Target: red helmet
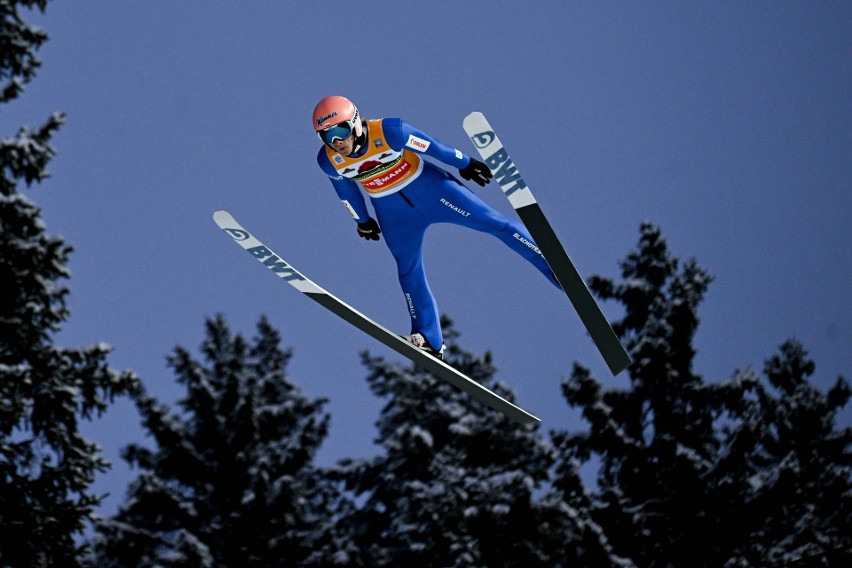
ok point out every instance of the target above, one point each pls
(336, 117)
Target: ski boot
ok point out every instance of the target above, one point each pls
(419, 340)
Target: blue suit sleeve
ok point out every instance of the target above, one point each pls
(399, 134)
(347, 190)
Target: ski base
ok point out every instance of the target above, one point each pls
(530, 213)
(287, 272)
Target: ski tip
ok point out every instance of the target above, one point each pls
(473, 119)
(221, 214)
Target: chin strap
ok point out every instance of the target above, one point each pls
(361, 141)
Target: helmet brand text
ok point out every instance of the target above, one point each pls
(322, 119)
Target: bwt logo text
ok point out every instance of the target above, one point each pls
(505, 172)
(275, 264)
(499, 162)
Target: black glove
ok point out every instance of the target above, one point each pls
(369, 230)
(476, 171)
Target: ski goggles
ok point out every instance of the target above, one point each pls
(340, 131)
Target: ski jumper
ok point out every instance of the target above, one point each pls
(408, 194)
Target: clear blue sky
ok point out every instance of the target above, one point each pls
(728, 124)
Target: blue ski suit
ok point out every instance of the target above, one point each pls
(408, 194)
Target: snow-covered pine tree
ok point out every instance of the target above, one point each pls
(456, 483)
(791, 467)
(686, 466)
(46, 466)
(231, 480)
(639, 434)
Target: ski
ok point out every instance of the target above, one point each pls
(300, 282)
(528, 209)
